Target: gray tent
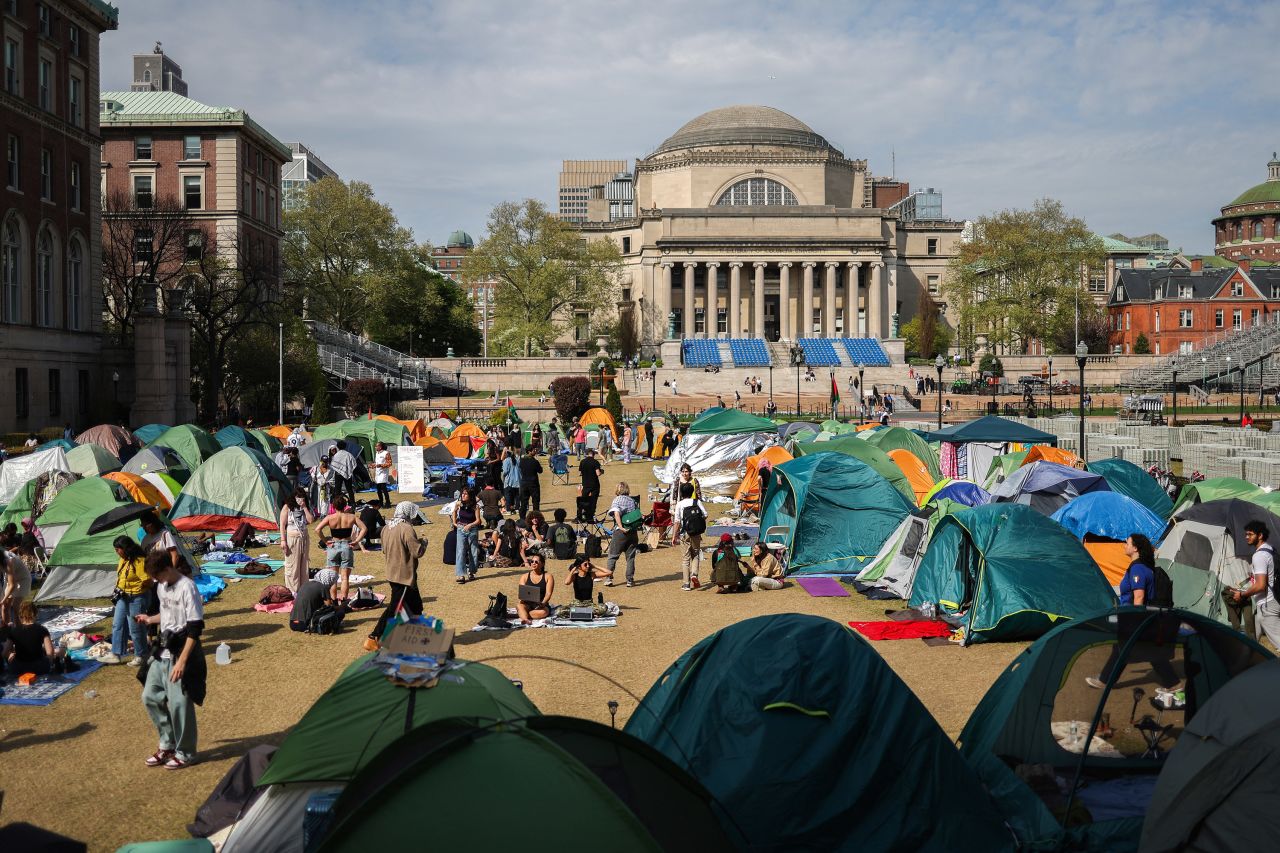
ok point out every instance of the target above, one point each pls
(1047, 486)
(158, 459)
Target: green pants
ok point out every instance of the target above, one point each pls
(172, 712)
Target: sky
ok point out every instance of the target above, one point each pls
(1138, 116)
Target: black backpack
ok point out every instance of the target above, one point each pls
(496, 615)
(326, 620)
(693, 521)
(594, 548)
(1163, 594)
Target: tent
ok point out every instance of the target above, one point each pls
(851, 445)
(150, 432)
(748, 494)
(1002, 466)
(141, 490)
(116, 440)
(236, 485)
(1102, 521)
(960, 491)
(992, 428)
(1204, 551)
(901, 438)
(365, 432)
(1128, 479)
(61, 443)
(440, 427)
(1214, 489)
(90, 460)
(812, 742)
(237, 436)
(280, 431)
(600, 417)
(18, 470)
(1005, 572)
(837, 428)
(916, 472)
(1209, 789)
(35, 495)
(1045, 486)
(463, 446)
(799, 430)
(191, 443)
(309, 457)
(731, 422)
(835, 514)
(1051, 454)
(1038, 720)
(164, 484)
(717, 446)
(158, 459)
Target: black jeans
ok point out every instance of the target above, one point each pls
(587, 506)
(399, 592)
(531, 494)
(512, 496)
(384, 494)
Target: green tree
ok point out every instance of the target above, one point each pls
(253, 366)
(544, 271)
(416, 301)
(924, 333)
(613, 402)
(320, 406)
(1022, 275)
(1142, 346)
(339, 246)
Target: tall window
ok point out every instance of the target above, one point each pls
(1255, 317)
(1184, 318)
(55, 392)
(75, 284)
(75, 187)
(933, 246)
(73, 39)
(46, 174)
(1237, 288)
(45, 19)
(44, 84)
(1257, 230)
(11, 266)
(142, 246)
(21, 394)
(191, 148)
(191, 192)
(142, 190)
(1237, 317)
(13, 154)
(11, 65)
(1217, 319)
(195, 244)
(142, 148)
(260, 204)
(44, 279)
(1157, 321)
(73, 102)
(753, 192)
(934, 284)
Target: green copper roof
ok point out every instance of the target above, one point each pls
(130, 108)
(460, 239)
(1267, 191)
(1112, 245)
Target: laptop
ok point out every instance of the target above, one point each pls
(529, 594)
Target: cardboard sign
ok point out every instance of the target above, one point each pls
(410, 471)
(412, 639)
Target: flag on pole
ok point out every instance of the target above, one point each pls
(512, 417)
(835, 392)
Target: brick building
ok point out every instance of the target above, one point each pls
(1181, 309)
(1249, 226)
(450, 261)
(51, 366)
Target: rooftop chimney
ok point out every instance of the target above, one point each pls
(1197, 264)
(1243, 263)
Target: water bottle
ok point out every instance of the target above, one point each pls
(1075, 733)
(223, 654)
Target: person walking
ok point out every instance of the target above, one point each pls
(295, 519)
(623, 541)
(466, 521)
(690, 523)
(402, 547)
(382, 474)
(511, 479)
(590, 470)
(175, 682)
(530, 487)
(129, 599)
(1262, 584)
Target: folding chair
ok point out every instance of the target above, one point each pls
(661, 520)
(560, 468)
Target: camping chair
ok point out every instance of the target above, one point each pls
(40, 562)
(560, 468)
(661, 521)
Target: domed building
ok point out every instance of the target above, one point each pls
(748, 223)
(1249, 227)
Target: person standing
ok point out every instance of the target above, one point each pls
(627, 438)
(382, 474)
(590, 470)
(345, 532)
(16, 576)
(466, 521)
(295, 518)
(1261, 587)
(511, 479)
(130, 599)
(175, 681)
(402, 547)
(691, 522)
(491, 505)
(648, 438)
(323, 485)
(579, 439)
(159, 538)
(530, 487)
(623, 541)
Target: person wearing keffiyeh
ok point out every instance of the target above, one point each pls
(401, 547)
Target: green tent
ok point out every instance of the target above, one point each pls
(992, 428)
(363, 712)
(20, 507)
(191, 443)
(237, 436)
(1131, 481)
(1005, 572)
(150, 432)
(837, 428)
(1215, 489)
(366, 432)
(272, 444)
(91, 496)
(90, 460)
(901, 438)
(1002, 466)
(1025, 720)
(235, 485)
(852, 445)
(730, 422)
(811, 742)
(838, 514)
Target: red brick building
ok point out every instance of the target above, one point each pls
(1182, 309)
(1249, 226)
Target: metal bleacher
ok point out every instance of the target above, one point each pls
(700, 353)
(1218, 363)
(749, 352)
(865, 351)
(344, 356)
(843, 352)
(819, 352)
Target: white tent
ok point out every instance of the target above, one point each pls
(715, 459)
(15, 472)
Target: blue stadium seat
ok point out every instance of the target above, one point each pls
(865, 350)
(700, 353)
(749, 352)
(819, 352)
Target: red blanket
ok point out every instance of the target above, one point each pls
(902, 630)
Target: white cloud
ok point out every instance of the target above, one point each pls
(1139, 116)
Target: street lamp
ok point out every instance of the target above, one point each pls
(797, 358)
(1173, 419)
(862, 394)
(771, 381)
(1082, 356)
(115, 391)
(653, 388)
(602, 367)
(457, 378)
(1244, 365)
(1050, 386)
(938, 364)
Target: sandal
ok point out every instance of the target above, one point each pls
(159, 757)
(176, 763)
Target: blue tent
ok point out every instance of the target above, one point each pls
(150, 432)
(1110, 515)
(1128, 479)
(962, 492)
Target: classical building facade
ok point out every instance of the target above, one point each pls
(1249, 226)
(51, 360)
(748, 223)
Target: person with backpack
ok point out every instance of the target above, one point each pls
(1262, 585)
(312, 597)
(726, 569)
(1141, 586)
(562, 536)
(625, 513)
(402, 547)
(690, 523)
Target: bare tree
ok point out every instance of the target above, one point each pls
(144, 245)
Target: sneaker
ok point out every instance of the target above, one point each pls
(630, 584)
(684, 587)
(471, 576)
(159, 757)
(609, 582)
(135, 661)
(1095, 683)
(177, 763)
(371, 645)
(109, 657)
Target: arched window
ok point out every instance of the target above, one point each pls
(44, 279)
(146, 75)
(11, 271)
(1257, 230)
(75, 284)
(755, 192)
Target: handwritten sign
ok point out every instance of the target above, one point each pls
(410, 471)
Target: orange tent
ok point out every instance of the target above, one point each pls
(139, 489)
(1111, 558)
(462, 446)
(748, 495)
(865, 427)
(639, 442)
(426, 440)
(1052, 454)
(467, 430)
(917, 473)
(280, 431)
(417, 429)
(601, 417)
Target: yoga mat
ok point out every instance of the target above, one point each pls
(47, 687)
(282, 607)
(224, 571)
(823, 587)
(894, 630)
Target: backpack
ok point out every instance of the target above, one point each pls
(275, 594)
(564, 542)
(362, 598)
(594, 548)
(1162, 596)
(326, 620)
(496, 614)
(693, 521)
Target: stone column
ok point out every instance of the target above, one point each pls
(735, 299)
(758, 302)
(713, 300)
(829, 302)
(891, 302)
(804, 322)
(852, 292)
(785, 331)
(688, 326)
(875, 301)
(665, 304)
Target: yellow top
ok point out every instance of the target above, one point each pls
(130, 577)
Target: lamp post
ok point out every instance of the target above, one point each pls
(771, 381)
(280, 399)
(862, 394)
(1244, 365)
(653, 388)
(115, 391)
(1173, 418)
(1082, 356)
(1050, 386)
(457, 379)
(797, 358)
(938, 364)
(602, 366)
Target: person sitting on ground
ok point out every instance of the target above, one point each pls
(504, 546)
(581, 578)
(534, 535)
(726, 570)
(32, 441)
(562, 537)
(29, 647)
(766, 571)
(311, 596)
(339, 532)
(536, 576)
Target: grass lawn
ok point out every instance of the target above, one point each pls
(76, 766)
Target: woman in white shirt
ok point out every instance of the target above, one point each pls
(382, 474)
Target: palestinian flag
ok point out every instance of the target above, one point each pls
(835, 392)
(512, 417)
